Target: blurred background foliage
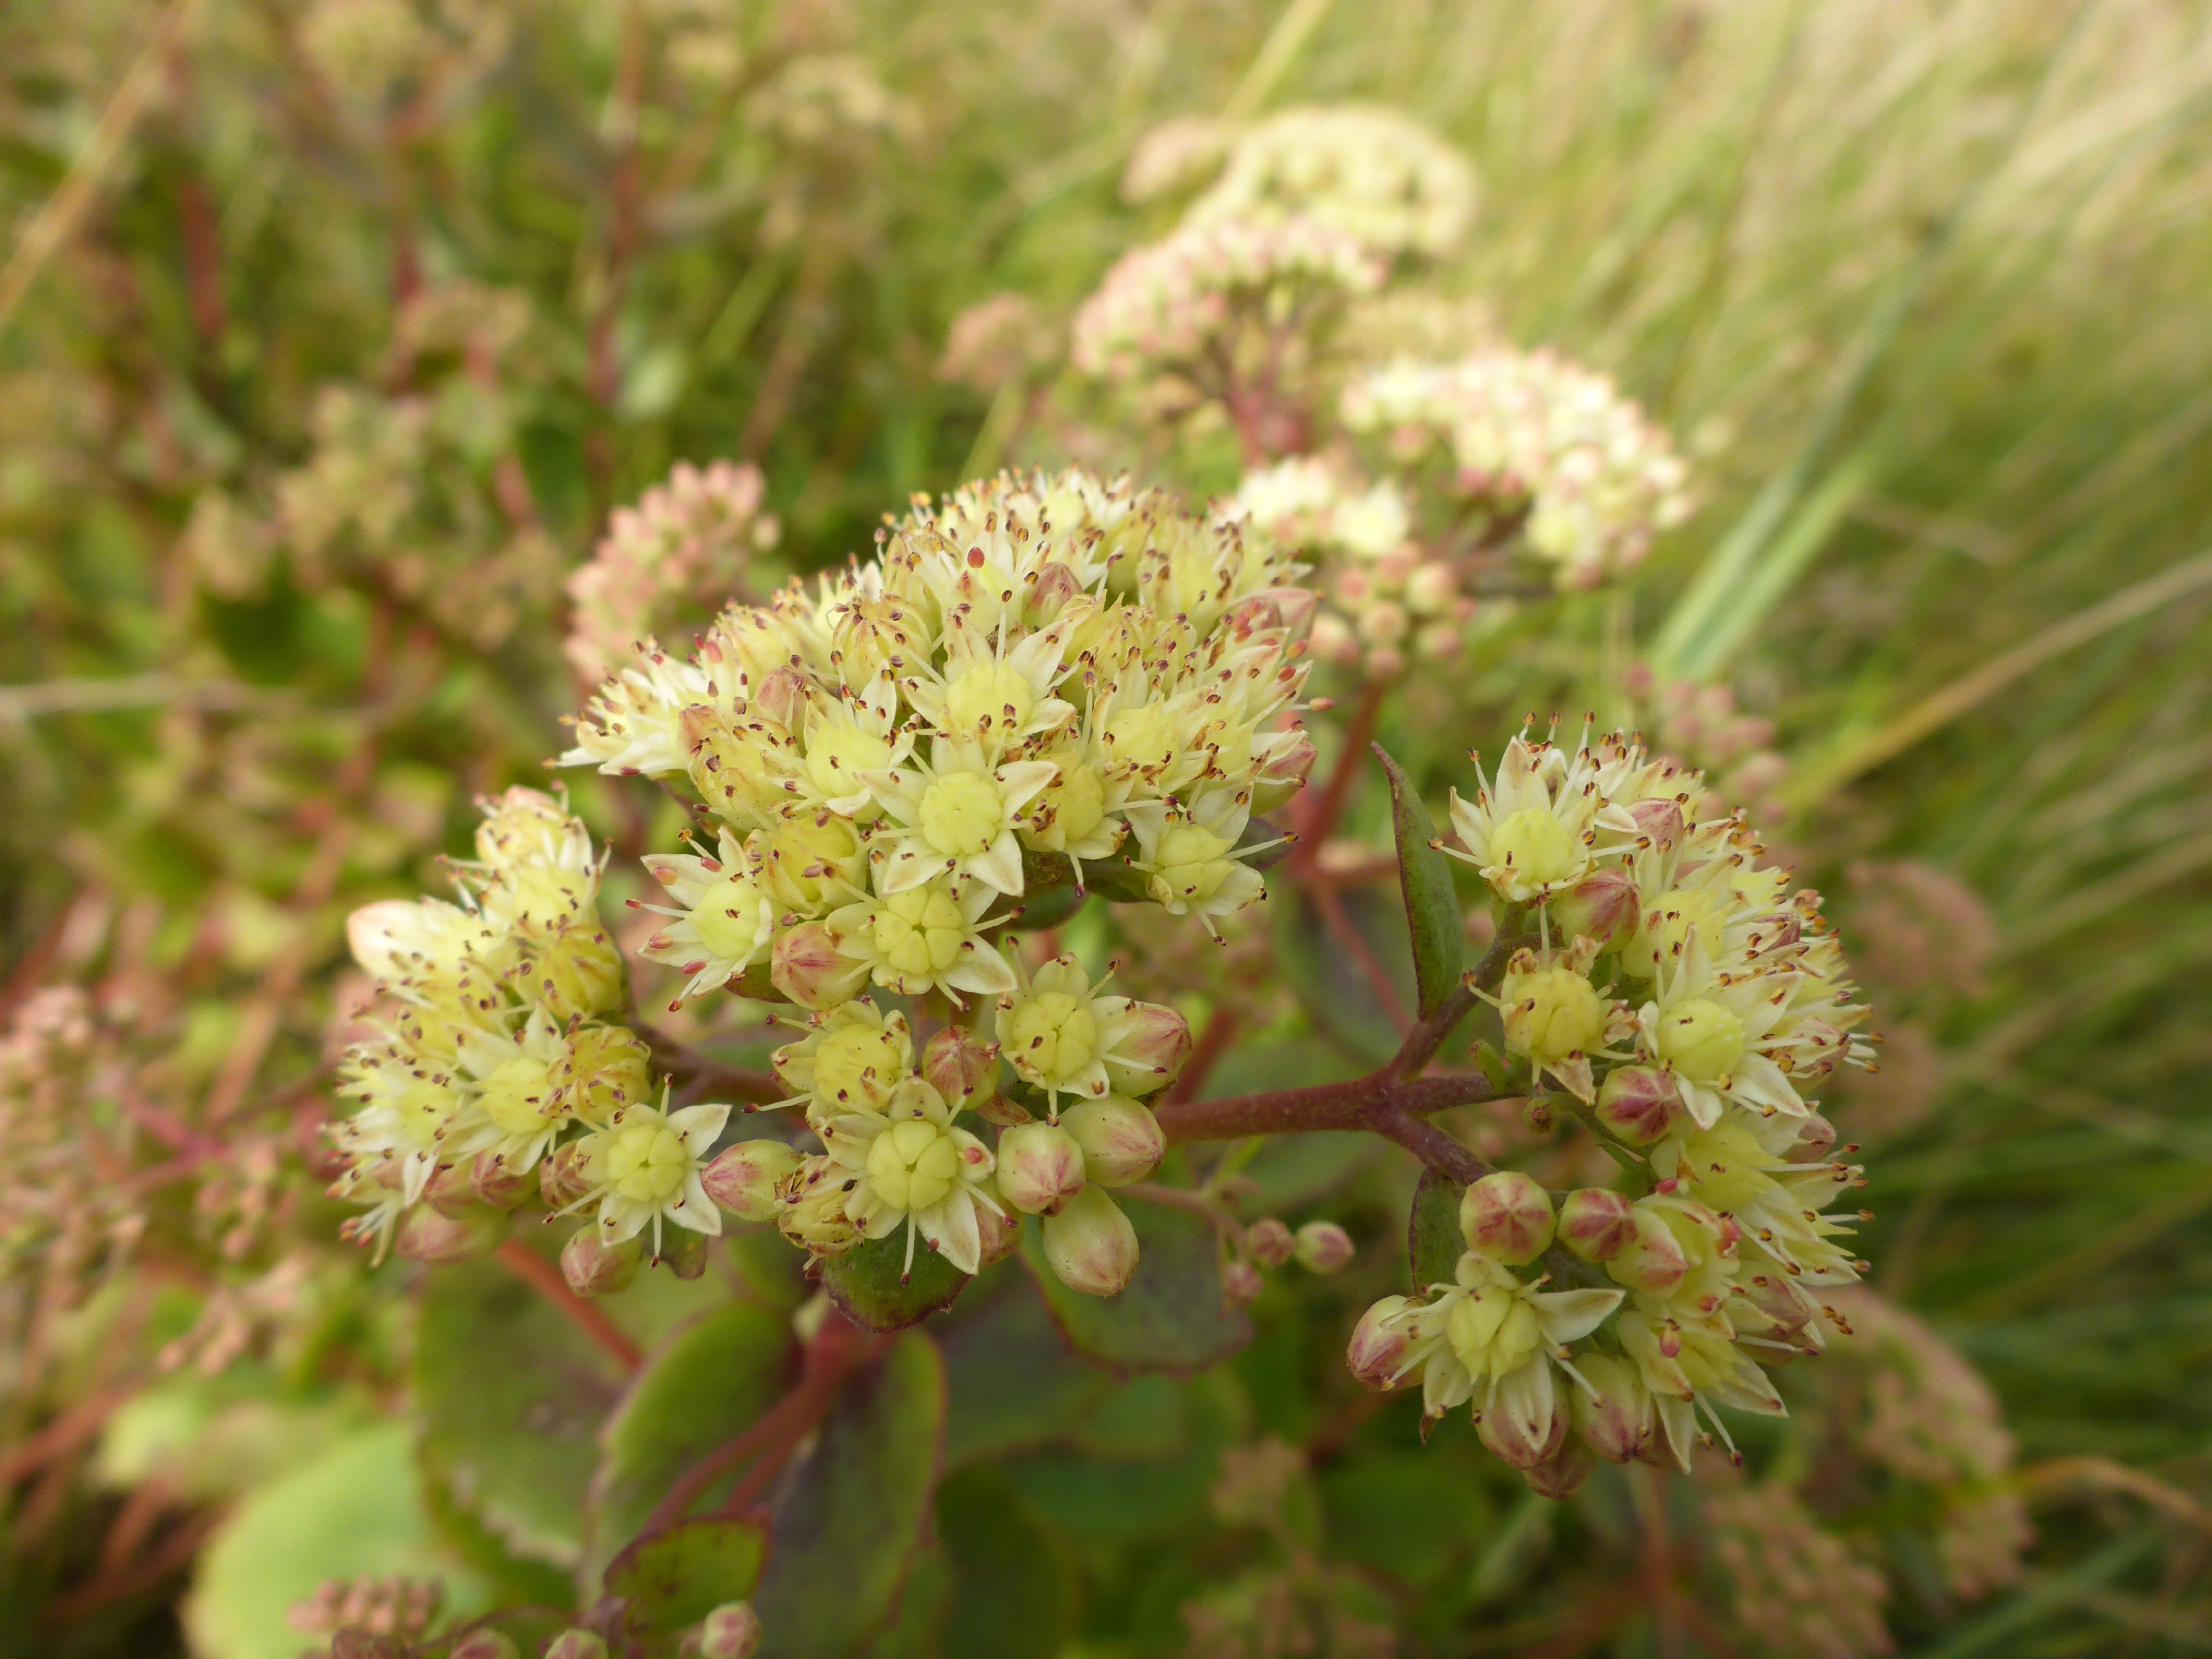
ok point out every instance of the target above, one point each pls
(330, 333)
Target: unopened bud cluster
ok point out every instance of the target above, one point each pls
(1682, 1003)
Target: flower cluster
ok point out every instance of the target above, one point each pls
(1681, 1001)
(1188, 306)
(1796, 1590)
(690, 542)
(1388, 601)
(1386, 181)
(495, 1050)
(1539, 444)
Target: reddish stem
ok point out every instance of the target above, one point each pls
(1327, 901)
(547, 1280)
(1212, 1043)
(1316, 826)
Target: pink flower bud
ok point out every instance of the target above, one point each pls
(1053, 588)
(499, 1183)
(1507, 1216)
(997, 1109)
(1639, 1103)
(1523, 1438)
(1242, 1282)
(1660, 822)
(806, 966)
(1596, 1223)
(1091, 1245)
(1816, 1139)
(485, 1645)
(562, 1177)
(1561, 1475)
(960, 1065)
(1121, 1139)
(1376, 1350)
(732, 1630)
(444, 1241)
(1782, 1300)
(998, 1236)
(1155, 1037)
(782, 696)
(595, 1269)
(1616, 1423)
(1269, 1242)
(576, 1644)
(742, 1179)
(1322, 1247)
(1040, 1168)
(1653, 1259)
(451, 1191)
(1602, 908)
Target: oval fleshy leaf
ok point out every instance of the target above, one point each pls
(872, 1286)
(677, 1577)
(1172, 1317)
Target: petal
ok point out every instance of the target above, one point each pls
(699, 1125)
(1570, 1316)
(1023, 781)
(949, 1224)
(1000, 865)
(694, 1209)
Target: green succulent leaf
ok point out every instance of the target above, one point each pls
(1433, 912)
(680, 1575)
(1433, 1239)
(872, 1284)
(1172, 1317)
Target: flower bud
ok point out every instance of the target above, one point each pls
(1550, 1014)
(1561, 1475)
(1507, 1216)
(1242, 1282)
(1603, 907)
(1121, 1139)
(807, 967)
(564, 1176)
(1322, 1247)
(1639, 1103)
(1701, 1039)
(1660, 822)
(576, 1644)
(1050, 590)
(356, 1644)
(1784, 1302)
(1091, 1244)
(1376, 1350)
(1816, 1139)
(732, 1630)
(1596, 1223)
(444, 1241)
(485, 1645)
(451, 1191)
(1269, 1242)
(998, 1237)
(576, 972)
(1041, 1168)
(1156, 1037)
(782, 696)
(997, 1109)
(960, 1065)
(743, 1179)
(1523, 1438)
(1283, 774)
(497, 1183)
(1654, 1259)
(604, 1068)
(1616, 1423)
(595, 1269)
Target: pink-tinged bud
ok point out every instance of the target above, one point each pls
(1616, 1423)
(1660, 822)
(575, 973)
(1283, 774)
(1561, 1475)
(576, 1644)
(998, 1237)
(742, 1179)
(732, 1630)
(782, 696)
(1322, 1247)
(497, 1183)
(1525, 1437)
(1091, 1245)
(444, 1241)
(595, 1269)
(485, 1645)
(1048, 595)
(997, 1109)
(1040, 1168)
(1603, 907)
(1377, 1350)
(1597, 1223)
(1639, 1103)
(1784, 1301)
(960, 1065)
(806, 966)
(564, 1176)
(1242, 1282)
(1507, 1216)
(1154, 1037)
(1121, 1139)
(1653, 1259)
(451, 1191)
(1269, 1242)
(1816, 1139)
(367, 1644)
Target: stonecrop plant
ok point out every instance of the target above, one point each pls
(831, 847)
